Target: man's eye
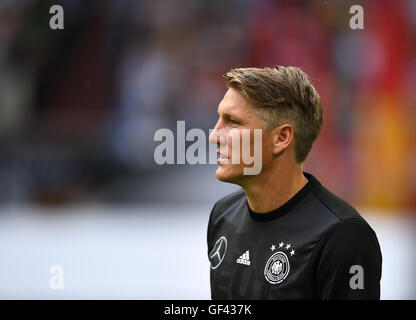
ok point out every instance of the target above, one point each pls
(234, 121)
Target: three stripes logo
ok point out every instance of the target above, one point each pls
(244, 258)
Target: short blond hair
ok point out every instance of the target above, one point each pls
(282, 95)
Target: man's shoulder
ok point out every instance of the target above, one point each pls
(227, 202)
(346, 216)
(230, 199)
(222, 206)
(336, 205)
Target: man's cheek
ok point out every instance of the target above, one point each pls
(252, 157)
(235, 139)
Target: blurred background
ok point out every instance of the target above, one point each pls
(79, 107)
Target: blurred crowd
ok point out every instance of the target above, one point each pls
(79, 106)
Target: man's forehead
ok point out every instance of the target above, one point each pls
(234, 101)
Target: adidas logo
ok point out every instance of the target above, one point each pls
(244, 258)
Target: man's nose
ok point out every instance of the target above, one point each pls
(214, 137)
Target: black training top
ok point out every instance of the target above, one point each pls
(315, 246)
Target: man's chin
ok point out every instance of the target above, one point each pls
(224, 176)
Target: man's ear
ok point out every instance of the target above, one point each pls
(282, 137)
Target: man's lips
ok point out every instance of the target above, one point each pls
(222, 156)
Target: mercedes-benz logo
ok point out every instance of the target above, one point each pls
(217, 254)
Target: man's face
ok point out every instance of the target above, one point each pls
(235, 114)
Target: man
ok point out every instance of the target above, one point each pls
(283, 235)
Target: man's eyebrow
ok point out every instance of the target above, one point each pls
(226, 113)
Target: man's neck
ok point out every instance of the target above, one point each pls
(273, 189)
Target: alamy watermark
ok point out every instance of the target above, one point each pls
(57, 20)
(56, 281)
(357, 20)
(232, 146)
(357, 280)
